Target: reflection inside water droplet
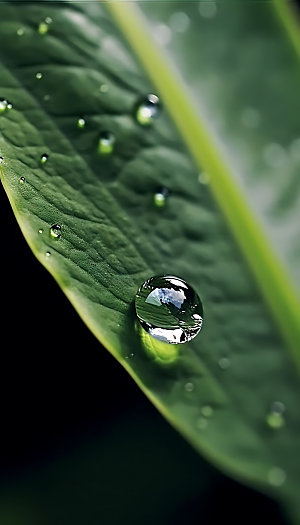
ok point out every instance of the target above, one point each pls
(165, 306)
(41, 230)
(22, 180)
(5, 105)
(148, 109)
(55, 231)
(48, 254)
(43, 27)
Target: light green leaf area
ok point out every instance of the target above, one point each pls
(233, 239)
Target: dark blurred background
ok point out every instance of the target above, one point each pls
(79, 442)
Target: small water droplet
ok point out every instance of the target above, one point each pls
(189, 387)
(202, 423)
(163, 306)
(41, 230)
(39, 76)
(46, 98)
(81, 123)
(207, 9)
(276, 476)
(55, 231)
(1, 160)
(48, 254)
(179, 22)
(20, 31)
(275, 418)
(106, 143)
(44, 158)
(160, 197)
(203, 178)
(22, 180)
(148, 109)
(224, 363)
(207, 411)
(103, 88)
(43, 27)
(5, 105)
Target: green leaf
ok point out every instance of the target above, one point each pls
(73, 82)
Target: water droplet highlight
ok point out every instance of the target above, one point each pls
(38, 76)
(44, 158)
(165, 307)
(1, 160)
(55, 231)
(275, 418)
(5, 105)
(276, 476)
(148, 109)
(160, 197)
(48, 254)
(81, 123)
(41, 230)
(20, 31)
(22, 180)
(106, 143)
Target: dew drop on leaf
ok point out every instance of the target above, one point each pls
(189, 387)
(38, 76)
(81, 123)
(44, 25)
(20, 31)
(22, 180)
(166, 308)
(103, 88)
(275, 417)
(5, 105)
(55, 231)
(106, 143)
(224, 363)
(41, 230)
(202, 423)
(207, 411)
(48, 254)
(148, 109)
(160, 197)
(44, 158)
(276, 476)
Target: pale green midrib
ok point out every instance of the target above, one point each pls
(287, 14)
(267, 270)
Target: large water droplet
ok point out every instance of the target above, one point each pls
(275, 418)
(5, 105)
(169, 309)
(106, 143)
(148, 109)
(160, 197)
(44, 158)
(55, 231)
